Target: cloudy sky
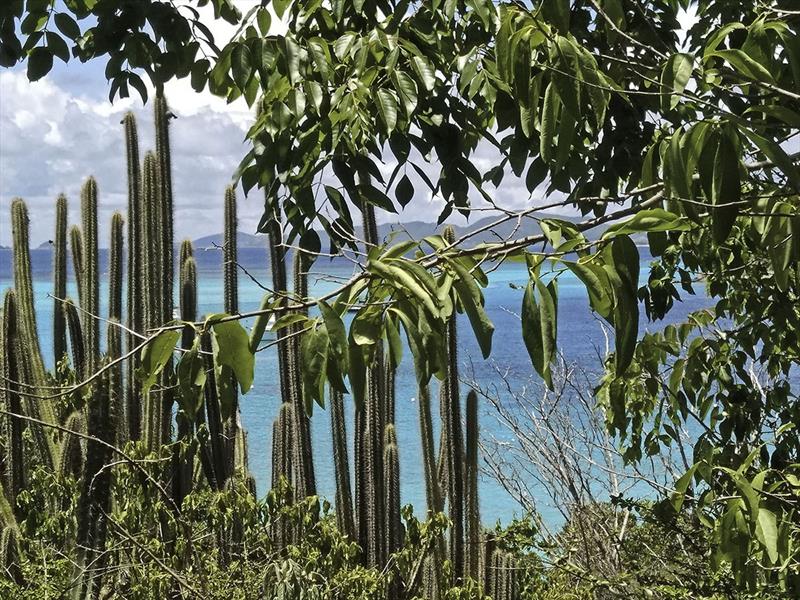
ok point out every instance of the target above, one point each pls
(59, 130)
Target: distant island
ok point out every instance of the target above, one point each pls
(412, 230)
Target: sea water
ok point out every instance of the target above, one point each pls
(580, 339)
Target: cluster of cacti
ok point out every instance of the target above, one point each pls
(115, 410)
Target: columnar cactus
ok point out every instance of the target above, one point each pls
(115, 268)
(369, 433)
(76, 248)
(471, 505)
(94, 502)
(282, 457)
(341, 463)
(153, 426)
(60, 281)
(76, 343)
(454, 439)
(23, 284)
(231, 306)
(303, 452)
(13, 475)
(114, 335)
(136, 277)
(90, 294)
(162, 119)
(183, 465)
(230, 253)
(393, 533)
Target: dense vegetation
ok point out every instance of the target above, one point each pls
(601, 105)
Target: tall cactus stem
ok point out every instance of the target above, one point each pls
(23, 283)
(76, 249)
(472, 507)
(115, 268)
(455, 444)
(13, 475)
(304, 458)
(341, 463)
(393, 534)
(91, 281)
(60, 281)
(76, 343)
(230, 253)
(135, 276)
(94, 502)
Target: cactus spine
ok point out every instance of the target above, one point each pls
(133, 405)
(60, 281)
(472, 507)
(90, 296)
(341, 464)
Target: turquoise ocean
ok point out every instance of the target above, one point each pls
(579, 337)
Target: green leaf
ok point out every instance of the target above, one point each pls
(622, 268)
(260, 325)
(387, 108)
(40, 61)
(726, 188)
(232, 349)
(407, 89)
(424, 71)
(314, 353)
(549, 119)
(336, 333)
(404, 191)
(191, 374)
(674, 77)
(57, 46)
(540, 326)
(241, 65)
(280, 7)
(598, 286)
(744, 65)
(556, 13)
(777, 155)
(155, 356)
(680, 488)
(472, 301)
(767, 533)
(67, 25)
(650, 220)
(614, 11)
(264, 21)
(569, 90)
